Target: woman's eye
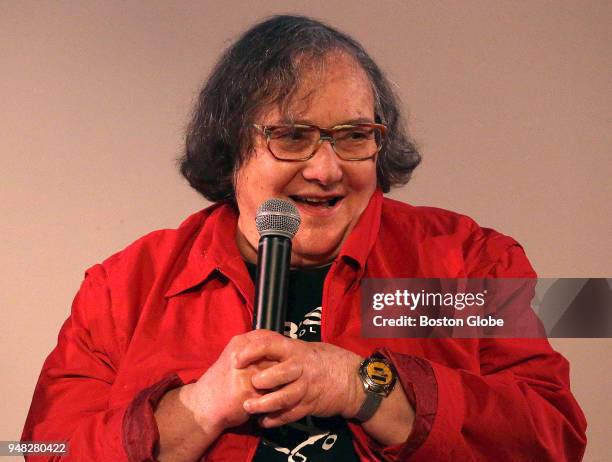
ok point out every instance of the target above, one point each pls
(289, 135)
(296, 135)
(357, 135)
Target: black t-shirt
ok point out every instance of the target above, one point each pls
(311, 439)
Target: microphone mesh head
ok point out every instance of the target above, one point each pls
(277, 217)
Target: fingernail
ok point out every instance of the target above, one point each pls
(248, 405)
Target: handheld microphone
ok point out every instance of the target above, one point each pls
(277, 222)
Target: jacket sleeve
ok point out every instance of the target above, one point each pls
(519, 407)
(71, 399)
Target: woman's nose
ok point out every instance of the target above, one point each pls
(325, 167)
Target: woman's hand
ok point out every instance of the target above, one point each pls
(263, 372)
(309, 378)
(216, 399)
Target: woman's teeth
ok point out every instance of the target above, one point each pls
(317, 202)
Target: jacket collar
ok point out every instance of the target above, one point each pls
(361, 240)
(215, 249)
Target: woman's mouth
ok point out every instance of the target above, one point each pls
(317, 202)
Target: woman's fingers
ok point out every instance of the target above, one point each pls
(280, 400)
(284, 417)
(308, 378)
(269, 345)
(277, 375)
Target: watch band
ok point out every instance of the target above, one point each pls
(369, 407)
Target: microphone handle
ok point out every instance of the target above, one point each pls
(273, 263)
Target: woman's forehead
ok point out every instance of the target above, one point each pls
(336, 83)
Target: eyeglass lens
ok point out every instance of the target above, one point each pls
(297, 142)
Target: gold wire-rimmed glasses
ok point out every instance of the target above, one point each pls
(300, 142)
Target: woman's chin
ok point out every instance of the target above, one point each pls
(313, 255)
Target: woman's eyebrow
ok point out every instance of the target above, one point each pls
(360, 120)
(291, 121)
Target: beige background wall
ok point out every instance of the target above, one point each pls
(511, 103)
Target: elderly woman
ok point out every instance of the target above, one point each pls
(158, 359)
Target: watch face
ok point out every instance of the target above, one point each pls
(379, 372)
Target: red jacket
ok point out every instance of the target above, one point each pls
(160, 312)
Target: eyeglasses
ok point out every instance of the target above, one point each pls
(300, 142)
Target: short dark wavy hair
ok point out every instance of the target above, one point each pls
(264, 67)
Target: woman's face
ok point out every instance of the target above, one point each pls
(341, 94)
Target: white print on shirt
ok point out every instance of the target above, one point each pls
(308, 325)
(315, 434)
